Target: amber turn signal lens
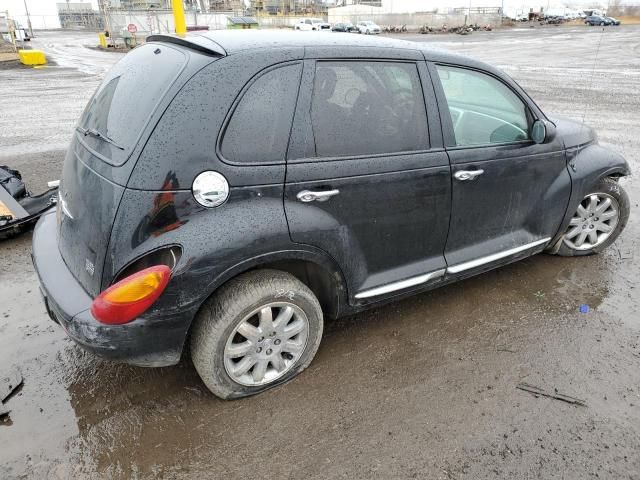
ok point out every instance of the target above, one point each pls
(126, 300)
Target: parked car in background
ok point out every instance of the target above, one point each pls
(315, 24)
(320, 180)
(344, 27)
(597, 20)
(613, 21)
(368, 27)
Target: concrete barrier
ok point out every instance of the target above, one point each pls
(32, 57)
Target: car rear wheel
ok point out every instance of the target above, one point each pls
(260, 330)
(598, 221)
(602, 24)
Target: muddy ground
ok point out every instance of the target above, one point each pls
(424, 388)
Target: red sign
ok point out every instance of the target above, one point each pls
(132, 28)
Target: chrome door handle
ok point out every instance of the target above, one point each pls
(322, 196)
(463, 175)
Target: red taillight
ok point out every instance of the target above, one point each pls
(126, 300)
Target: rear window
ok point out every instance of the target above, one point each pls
(120, 108)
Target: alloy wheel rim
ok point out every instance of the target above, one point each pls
(593, 223)
(266, 344)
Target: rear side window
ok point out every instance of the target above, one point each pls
(365, 108)
(483, 110)
(259, 129)
(125, 100)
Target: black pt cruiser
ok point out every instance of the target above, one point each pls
(228, 191)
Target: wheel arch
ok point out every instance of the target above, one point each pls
(587, 166)
(315, 269)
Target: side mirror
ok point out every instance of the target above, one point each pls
(542, 131)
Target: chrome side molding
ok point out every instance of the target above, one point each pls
(461, 267)
(402, 284)
(420, 279)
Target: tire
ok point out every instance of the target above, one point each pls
(215, 325)
(602, 24)
(606, 187)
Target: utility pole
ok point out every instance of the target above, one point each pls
(106, 4)
(28, 19)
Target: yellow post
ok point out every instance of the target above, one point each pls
(178, 16)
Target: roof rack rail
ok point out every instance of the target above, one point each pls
(193, 41)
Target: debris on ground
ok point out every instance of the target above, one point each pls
(584, 308)
(9, 383)
(625, 252)
(537, 391)
(19, 209)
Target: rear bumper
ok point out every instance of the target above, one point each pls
(145, 342)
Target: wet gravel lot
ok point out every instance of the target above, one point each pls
(422, 388)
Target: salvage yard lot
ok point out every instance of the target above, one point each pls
(422, 388)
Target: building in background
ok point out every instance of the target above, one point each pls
(79, 14)
(226, 5)
(291, 7)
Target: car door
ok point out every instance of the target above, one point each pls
(368, 180)
(509, 194)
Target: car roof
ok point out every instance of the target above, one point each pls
(233, 41)
(228, 42)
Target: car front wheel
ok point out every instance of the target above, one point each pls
(260, 330)
(600, 218)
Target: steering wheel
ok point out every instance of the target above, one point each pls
(507, 133)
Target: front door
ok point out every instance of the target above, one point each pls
(364, 181)
(509, 194)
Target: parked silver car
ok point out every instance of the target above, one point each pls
(368, 27)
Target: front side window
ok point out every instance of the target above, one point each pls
(483, 110)
(364, 108)
(259, 129)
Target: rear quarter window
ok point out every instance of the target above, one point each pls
(127, 97)
(260, 125)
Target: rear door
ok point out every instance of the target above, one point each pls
(368, 180)
(509, 194)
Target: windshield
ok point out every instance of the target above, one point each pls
(122, 105)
